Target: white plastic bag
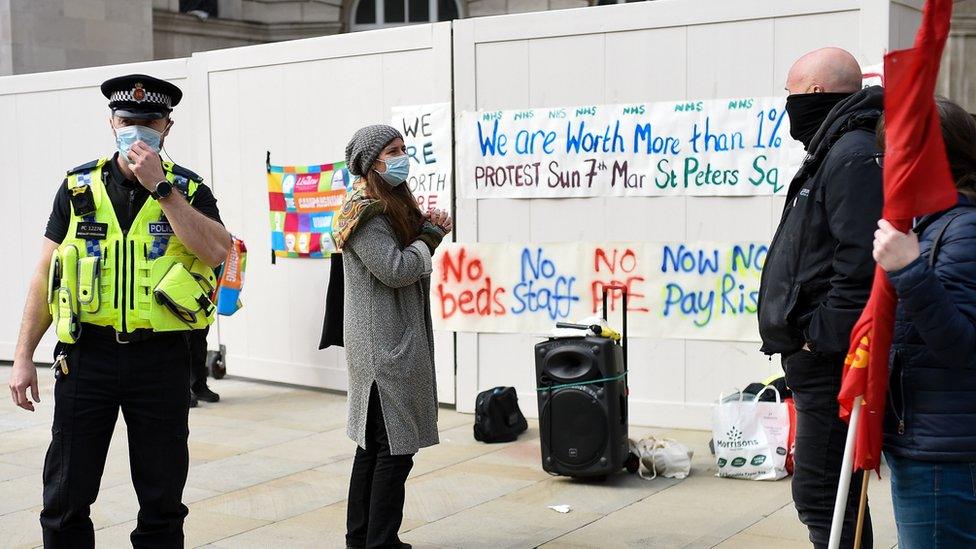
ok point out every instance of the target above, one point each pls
(751, 437)
(663, 456)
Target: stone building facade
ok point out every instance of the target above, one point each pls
(958, 77)
(43, 35)
(241, 23)
(245, 22)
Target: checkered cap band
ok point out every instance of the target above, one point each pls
(150, 97)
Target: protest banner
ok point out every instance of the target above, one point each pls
(427, 134)
(699, 290)
(723, 147)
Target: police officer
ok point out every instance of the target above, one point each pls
(125, 273)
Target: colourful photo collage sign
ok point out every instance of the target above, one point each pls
(303, 200)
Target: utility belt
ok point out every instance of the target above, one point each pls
(128, 296)
(109, 333)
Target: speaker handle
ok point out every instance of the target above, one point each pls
(623, 292)
(605, 292)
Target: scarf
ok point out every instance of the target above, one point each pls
(356, 209)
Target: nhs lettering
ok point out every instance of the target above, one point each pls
(729, 147)
(686, 290)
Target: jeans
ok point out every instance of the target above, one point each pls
(149, 382)
(820, 435)
(376, 488)
(935, 502)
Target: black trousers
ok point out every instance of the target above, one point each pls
(376, 488)
(820, 436)
(198, 358)
(149, 382)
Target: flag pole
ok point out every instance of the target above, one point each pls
(860, 510)
(846, 471)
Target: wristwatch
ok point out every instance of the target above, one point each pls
(163, 189)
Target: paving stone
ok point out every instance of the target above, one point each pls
(201, 528)
(21, 529)
(270, 468)
(281, 498)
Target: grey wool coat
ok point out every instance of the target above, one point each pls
(388, 335)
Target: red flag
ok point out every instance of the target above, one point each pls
(917, 181)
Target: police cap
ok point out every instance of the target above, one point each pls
(140, 96)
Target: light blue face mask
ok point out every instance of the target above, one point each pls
(127, 135)
(397, 170)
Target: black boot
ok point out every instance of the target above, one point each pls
(205, 394)
(193, 400)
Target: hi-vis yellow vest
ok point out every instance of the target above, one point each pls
(145, 278)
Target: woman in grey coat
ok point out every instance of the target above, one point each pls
(387, 244)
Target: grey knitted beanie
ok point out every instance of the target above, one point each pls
(366, 145)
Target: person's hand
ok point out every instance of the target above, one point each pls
(146, 164)
(434, 215)
(447, 224)
(894, 249)
(23, 376)
(441, 219)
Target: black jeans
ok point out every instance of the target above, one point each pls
(820, 436)
(198, 358)
(376, 488)
(149, 382)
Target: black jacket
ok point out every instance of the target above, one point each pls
(817, 275)
(334, 296)
(932, 392)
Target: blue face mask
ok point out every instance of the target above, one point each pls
(397, 170)
(127, 135)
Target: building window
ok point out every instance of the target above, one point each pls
(376, 14)
(203, 9)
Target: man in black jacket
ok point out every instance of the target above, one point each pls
(818, 273)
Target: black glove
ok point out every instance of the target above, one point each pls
(431, 235)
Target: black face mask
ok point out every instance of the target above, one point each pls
(808, 111)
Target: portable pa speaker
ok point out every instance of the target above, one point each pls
(582, 388)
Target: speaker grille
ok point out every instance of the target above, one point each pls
(568, 364)
(574, 427)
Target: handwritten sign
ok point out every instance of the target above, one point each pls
(427, 134)
(733, 147)
(872, 75)
(698, 290)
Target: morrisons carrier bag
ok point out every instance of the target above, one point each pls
(751, 437)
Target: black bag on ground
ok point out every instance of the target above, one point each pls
(497, 416)
(779, 383)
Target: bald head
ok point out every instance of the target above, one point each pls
(825, 70)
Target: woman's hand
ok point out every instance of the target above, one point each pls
(893, 249)
(441, 219)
